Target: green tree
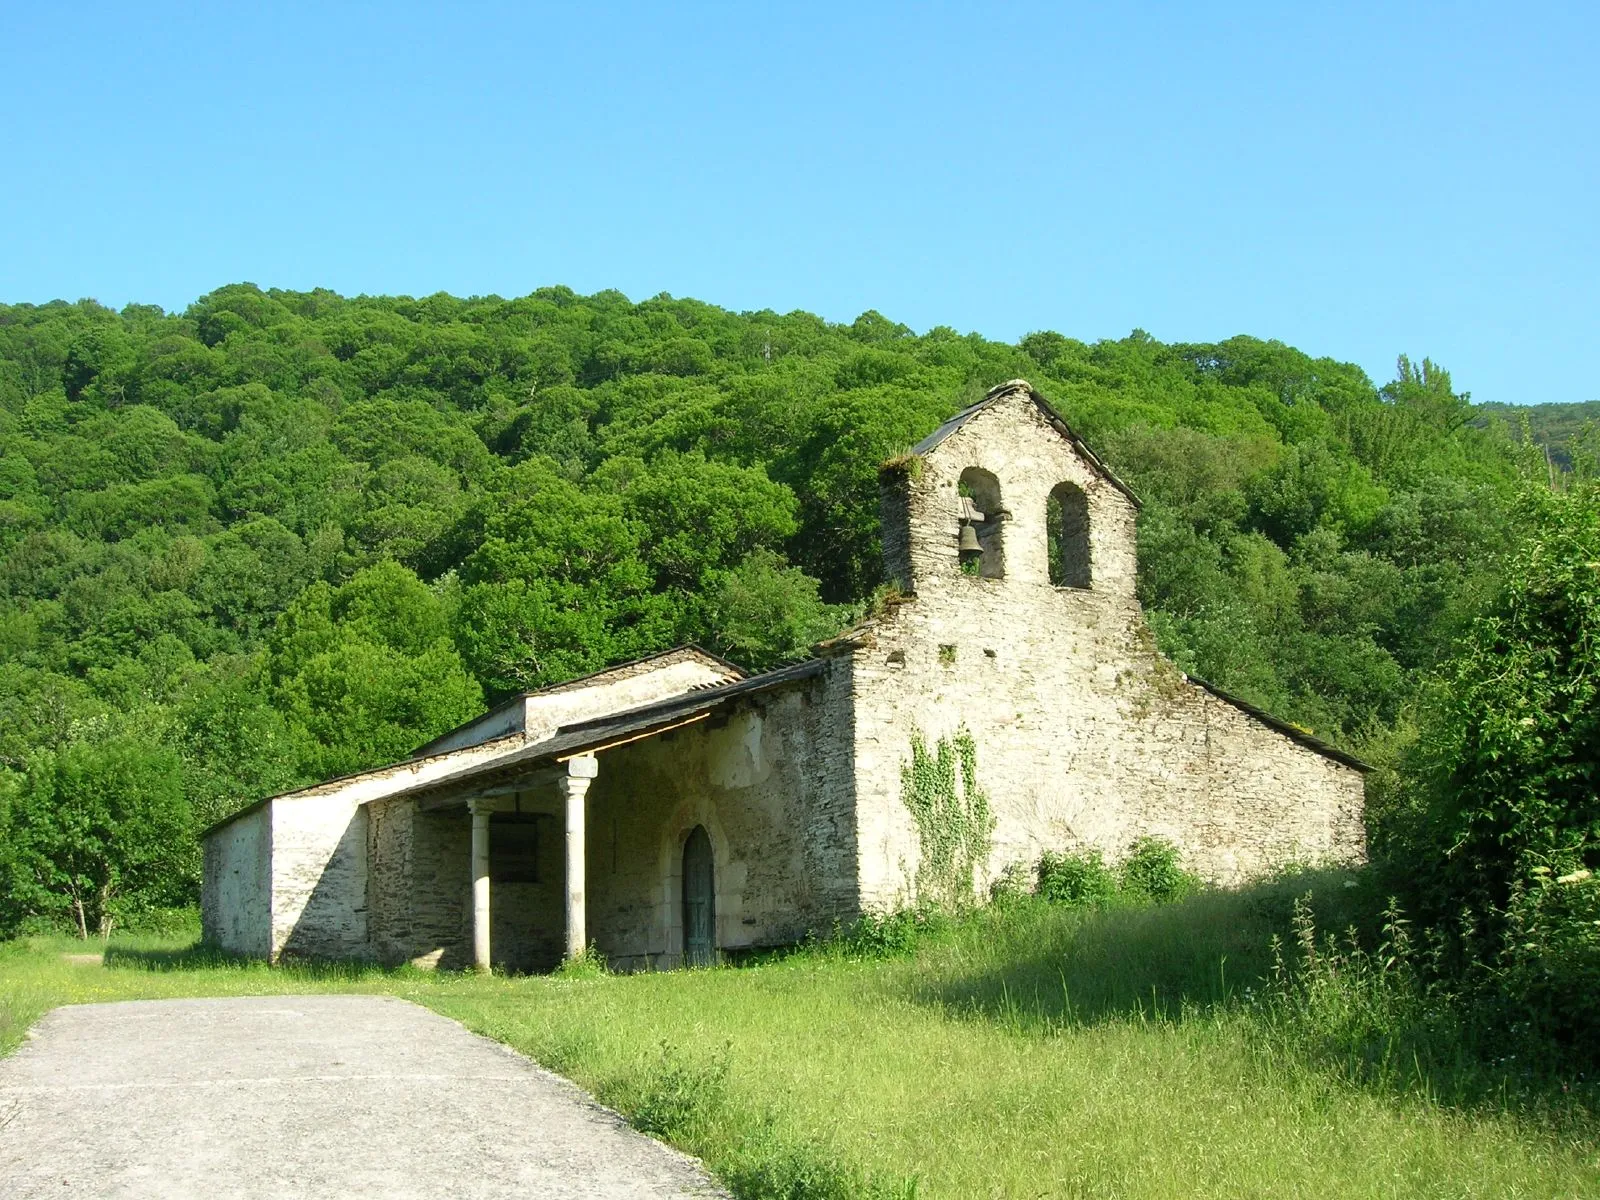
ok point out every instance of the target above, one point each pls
(766, 612)
(1515, 744)
(368, 670)
(236, 747)
(97, 831)
(557, 585)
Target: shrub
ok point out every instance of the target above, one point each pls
(589, 964)
(1513, 749)
(1013, 885)
(887, 935)
(1374, 1014)
(1152, 872)
(1548, 974)
(1080, 880)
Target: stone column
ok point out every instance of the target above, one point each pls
(575, 784)
(480, 883)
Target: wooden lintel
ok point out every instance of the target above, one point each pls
(509, 787)
(634, 737)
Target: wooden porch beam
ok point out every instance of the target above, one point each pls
(522, 783)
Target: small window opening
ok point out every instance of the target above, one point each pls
(1067, 519)
(982, 545)
(514, 848)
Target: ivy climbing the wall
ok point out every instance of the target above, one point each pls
(954, 825)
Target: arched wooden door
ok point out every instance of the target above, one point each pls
(699, 901)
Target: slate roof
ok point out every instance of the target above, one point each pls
(582, 736)
(1054, 418)
(684, 653)
(1292, 732)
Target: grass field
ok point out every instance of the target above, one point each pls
(1032, 1052)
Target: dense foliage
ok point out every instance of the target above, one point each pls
(1493, 833)
(1555, 427)
(285, 534)
(1516, 724)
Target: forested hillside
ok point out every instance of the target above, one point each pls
(1556, 426)
(283, 535)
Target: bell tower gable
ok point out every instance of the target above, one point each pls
(1006, 494)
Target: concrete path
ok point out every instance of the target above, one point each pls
(302, 1096)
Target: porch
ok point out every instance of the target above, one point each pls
(630, 835)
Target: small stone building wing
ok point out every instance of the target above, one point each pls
(627, 685)
(293, 873)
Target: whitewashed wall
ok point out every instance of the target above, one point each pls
(236, 895)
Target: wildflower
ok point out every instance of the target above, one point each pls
(1577, 876)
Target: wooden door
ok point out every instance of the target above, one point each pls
(699, 901)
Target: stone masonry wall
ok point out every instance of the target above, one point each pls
(504, 720)
(236, 897)
(1086, 735)
(772, 786)
(319, 877)
(420, 885)
(771, 783)
(393, 921)
(538, 714)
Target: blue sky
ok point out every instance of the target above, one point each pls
(1357, 181)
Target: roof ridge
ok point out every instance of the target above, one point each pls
(1009, 388)
(578, 682)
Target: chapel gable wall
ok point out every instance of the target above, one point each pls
(1086, 735)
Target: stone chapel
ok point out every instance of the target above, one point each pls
(668, 810)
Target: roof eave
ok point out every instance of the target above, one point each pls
(581, 737)
(1293, 732)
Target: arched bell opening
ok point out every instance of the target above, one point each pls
(1067, 520)
(982, 538)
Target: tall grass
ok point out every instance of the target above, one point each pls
(1026, 1050)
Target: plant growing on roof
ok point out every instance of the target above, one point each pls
(955, 826)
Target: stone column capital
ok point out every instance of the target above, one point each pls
(585, 767)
